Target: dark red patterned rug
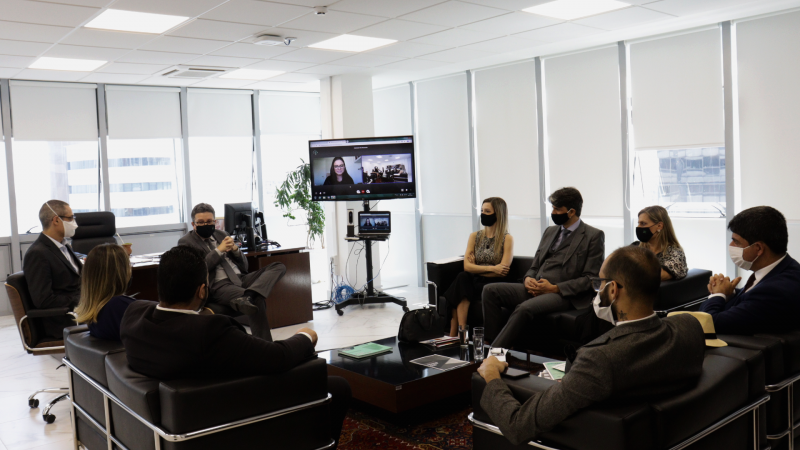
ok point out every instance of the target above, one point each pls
(362, 431)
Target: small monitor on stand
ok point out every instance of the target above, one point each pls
(239, 223)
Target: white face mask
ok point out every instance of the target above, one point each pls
(603, 312)
(69, 227)
(737, 256)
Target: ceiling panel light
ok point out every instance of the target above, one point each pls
(139, 22)
(76, 65)
(251, 74)
(575, 9)
(352, 43)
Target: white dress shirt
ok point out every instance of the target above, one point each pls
(220, 272)
(628, 322)
(760, 274)
(65, 251)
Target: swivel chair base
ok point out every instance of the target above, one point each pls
(33, 402)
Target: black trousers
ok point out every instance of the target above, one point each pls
(341, 395)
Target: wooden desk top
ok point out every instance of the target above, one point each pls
(275, 251)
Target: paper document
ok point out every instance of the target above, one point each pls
(440, 362)
(555, 374)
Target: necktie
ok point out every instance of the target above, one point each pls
(749, 283)
(563, 234)
(226, 266)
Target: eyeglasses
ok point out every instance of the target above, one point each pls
(336, 166)
(67, 218)
(598, 282)
(200, 224)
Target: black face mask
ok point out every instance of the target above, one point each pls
(644, 234)
(488, 220)
(560, 219)
(204, 231)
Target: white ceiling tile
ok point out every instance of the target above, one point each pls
(212, 29)
(92, 3)
(183, 45)
(512, 23)
(243, 50)
(641, 2)
(49, 75)
(384, 8)
(114, 78)
(285, 66)
(329, 69)
(406, 50)
(145, 57)
(22, 48)
(456, 37)
(137, 69)
(313, 55)
(32, 32)
(16, 61)
(503, 44)
(311, 86)
(103, 38)
(80, 52)
(456, 55)
(297, 77)
(624, 18)
(367, 60)
(6, 72)
(186, 8)
(304, 37)
(688, 7)
(560, 32)
(453, 14)
(224, 83)
(414, 65)
(222, 61)
(401, 30)
(166, 81)
(333, 22)
(511, 5)
(46, 13)
(256, 12)
(311, 3)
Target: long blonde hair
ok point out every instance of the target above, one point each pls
(105, 274)
(501, 226)
(666, 237)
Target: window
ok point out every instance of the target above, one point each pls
(55, 125)
(5, 221)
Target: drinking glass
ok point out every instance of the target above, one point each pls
(463, 335)
(477, 340)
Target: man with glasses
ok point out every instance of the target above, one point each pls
(52, 270)
(231, 285)
(642, 357)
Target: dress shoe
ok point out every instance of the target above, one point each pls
(244, 305)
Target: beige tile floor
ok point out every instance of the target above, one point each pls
(21, 374)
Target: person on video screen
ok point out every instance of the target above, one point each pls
(338, 173)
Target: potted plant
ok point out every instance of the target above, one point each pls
(295, 194)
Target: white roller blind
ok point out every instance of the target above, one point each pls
(507, 141)
(392, 110)
(583, 126)
(220, 112)
(140, 112)
(444, 145)
(53, 111)
(677, 91)
(289, 113)
(769, 112)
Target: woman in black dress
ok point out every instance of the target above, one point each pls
(338, 173)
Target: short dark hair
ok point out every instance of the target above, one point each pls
(181, 271)
(762, 224)
(569, 197)
(202, 208)
(637, 269)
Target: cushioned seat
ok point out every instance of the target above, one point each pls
(676, 294)
(94, 228)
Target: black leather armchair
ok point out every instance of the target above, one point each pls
(716, 413)
(94, 228)
(112, 403)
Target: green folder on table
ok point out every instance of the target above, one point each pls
(556, 374)
(366, 350)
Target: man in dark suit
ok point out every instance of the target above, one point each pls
(768, 302)
(171, 340)
(52, 270)
(231, 285)
(569, 254)
(641, 357)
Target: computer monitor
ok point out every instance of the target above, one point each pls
(238, 216)
(379, 168)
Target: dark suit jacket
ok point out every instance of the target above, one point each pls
(645, 359)
(52, 281)
(213, 259)
(583, 260)
(772, 306)
(169, 345)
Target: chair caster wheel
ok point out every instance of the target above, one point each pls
(405, 309)
(340, 312)
(33, 403)
(49, 418)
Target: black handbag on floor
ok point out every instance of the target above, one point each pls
(421, 325)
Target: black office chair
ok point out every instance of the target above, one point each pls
(34, 339)
(94, 228)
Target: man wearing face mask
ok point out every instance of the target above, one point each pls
(569, 254)
(52, 270)
(230, 284)
(768, 301)
(642, 357)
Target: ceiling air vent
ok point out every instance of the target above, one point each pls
(193, 72)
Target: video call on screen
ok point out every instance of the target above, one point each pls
(373, 222)
(369, 168)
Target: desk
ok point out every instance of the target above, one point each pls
(290, 301)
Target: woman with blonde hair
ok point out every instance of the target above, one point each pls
(655, 232)
(487, 260)
(104, 280)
